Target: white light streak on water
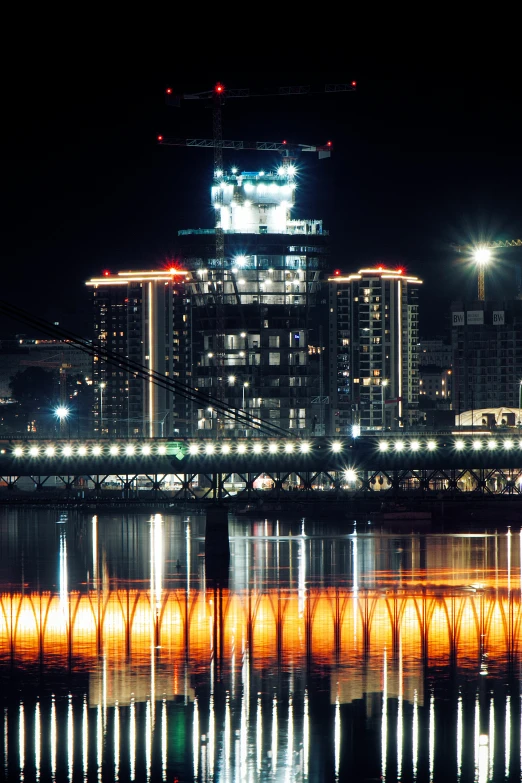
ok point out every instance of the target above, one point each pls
(415, 734)
(508, 734)
(432, 735)
(53, 739)
(85, 739)
(37, 740)
(384, 717)
(274, 734)
(195, 738)
(21, 739)
(164, 738)
(337, 737)
(70, 739)
(132, 740)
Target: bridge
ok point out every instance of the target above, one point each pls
(270, 468)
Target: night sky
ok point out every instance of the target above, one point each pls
(418, 164)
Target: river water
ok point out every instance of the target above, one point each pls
(330, 652)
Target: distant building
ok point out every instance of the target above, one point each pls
(435, 386)
(373, 358)
(435, 352)
(487, 354)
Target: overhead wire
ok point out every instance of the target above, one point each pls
(94, 348)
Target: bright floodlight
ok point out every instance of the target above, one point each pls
(482, 255)
(399, 445)
(96, 450)
(477, 445)
(350, 475)
(33, 451)
(225, 448)
(18, 451)
(67, 452)
(240, 260)
(432, 445)
(162, 449)
(415, 445)
(383, 445)
(241, 449)
(82, 451)
(336, 447)
(62, 412)
(49, 451)
(145, 449)
(257, 448)
(193, 448)
(272, 448)
(209, 448)
(305, 447)
(129, 449)
(492, 444)
(508, 444)
(459, 445)
(113, 450)
(289, 447)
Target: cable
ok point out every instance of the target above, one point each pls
(182, 389)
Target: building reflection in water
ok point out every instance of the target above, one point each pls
(328, 655)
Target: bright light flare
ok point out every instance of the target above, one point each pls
(304, 448)
(336, 447)
(432, 445)
(482, 255)
(257, 448)
(399, 445)
(34, 451)
(477, 445)
(459, 445)
(114, 450)
(193, 448)
(415, 445)
(129, 450)
(209, 448)
(162, 450)
(350, 475)
(383, 445)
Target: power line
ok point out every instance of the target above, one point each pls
(183, 390)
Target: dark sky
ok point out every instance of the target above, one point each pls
(418, 164)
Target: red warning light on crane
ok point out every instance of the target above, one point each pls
(169, 90)
(219, 87)
(354, 84)
(160, 138)
(328, 143)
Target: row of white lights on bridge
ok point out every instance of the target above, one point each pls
(193, 448)
(257, 448)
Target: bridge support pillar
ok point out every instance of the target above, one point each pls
(217, 545)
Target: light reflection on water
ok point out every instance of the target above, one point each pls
(329, 654)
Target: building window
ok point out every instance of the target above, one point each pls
(274, 358)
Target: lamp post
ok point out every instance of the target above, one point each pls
(245, 386)
(101, 387)
(482, 256)
(62, 413)
(384, 384)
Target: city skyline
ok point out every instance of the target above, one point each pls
(417, 166)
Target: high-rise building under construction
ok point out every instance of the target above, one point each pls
(256, 313)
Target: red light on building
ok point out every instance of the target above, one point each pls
(106, 273)
(380, 269)
(284, 141)
(160, 138)
(169, 91)
(337, 272)
(328, 143)
(400, 271)
(219, 87)
(354, 84)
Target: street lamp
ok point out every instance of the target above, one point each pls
(245, 386)
(101, 387)
(384, 384)
(62, 413)
(482, 256)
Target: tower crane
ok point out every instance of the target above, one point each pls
(216, 98)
